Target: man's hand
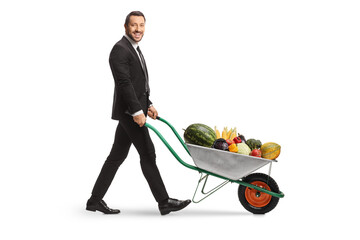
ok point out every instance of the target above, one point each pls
(140, 119)
(152, 112)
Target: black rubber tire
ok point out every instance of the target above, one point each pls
(273, 187)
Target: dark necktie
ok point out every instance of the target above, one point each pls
(147, 89)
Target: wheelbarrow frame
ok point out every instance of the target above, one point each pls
(205, 173)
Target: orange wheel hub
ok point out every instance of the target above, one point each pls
(257, 198)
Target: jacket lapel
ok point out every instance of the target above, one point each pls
(133, 51)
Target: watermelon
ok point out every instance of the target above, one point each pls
(270, 150)
(200, 134)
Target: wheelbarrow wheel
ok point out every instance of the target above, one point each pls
(255, 201)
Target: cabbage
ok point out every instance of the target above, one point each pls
(243, 148)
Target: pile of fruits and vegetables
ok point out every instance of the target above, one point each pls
(230, 140)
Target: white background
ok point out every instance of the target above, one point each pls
(282, 71)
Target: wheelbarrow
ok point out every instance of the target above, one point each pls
(258, 192)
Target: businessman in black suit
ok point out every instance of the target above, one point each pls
(131, 105)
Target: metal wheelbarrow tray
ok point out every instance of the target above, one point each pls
(257, 192)
(230, 165)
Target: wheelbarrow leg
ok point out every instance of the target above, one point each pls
(203, 179)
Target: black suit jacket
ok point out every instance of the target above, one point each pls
(129, 93)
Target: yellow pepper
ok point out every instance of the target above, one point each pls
(233, 148)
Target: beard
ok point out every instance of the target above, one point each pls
(135, 36)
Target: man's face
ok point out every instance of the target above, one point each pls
(136, 28)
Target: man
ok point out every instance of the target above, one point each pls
(130, 107)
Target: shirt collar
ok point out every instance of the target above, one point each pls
(133, 43)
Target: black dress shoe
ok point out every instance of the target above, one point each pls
(101, 207)
(172, 205)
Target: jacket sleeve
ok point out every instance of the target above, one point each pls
(120, 65)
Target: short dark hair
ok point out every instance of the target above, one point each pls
(134, 13)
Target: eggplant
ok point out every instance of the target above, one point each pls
(242, 137)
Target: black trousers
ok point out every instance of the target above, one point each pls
(127, 133)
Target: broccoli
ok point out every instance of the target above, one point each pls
(253, 143)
